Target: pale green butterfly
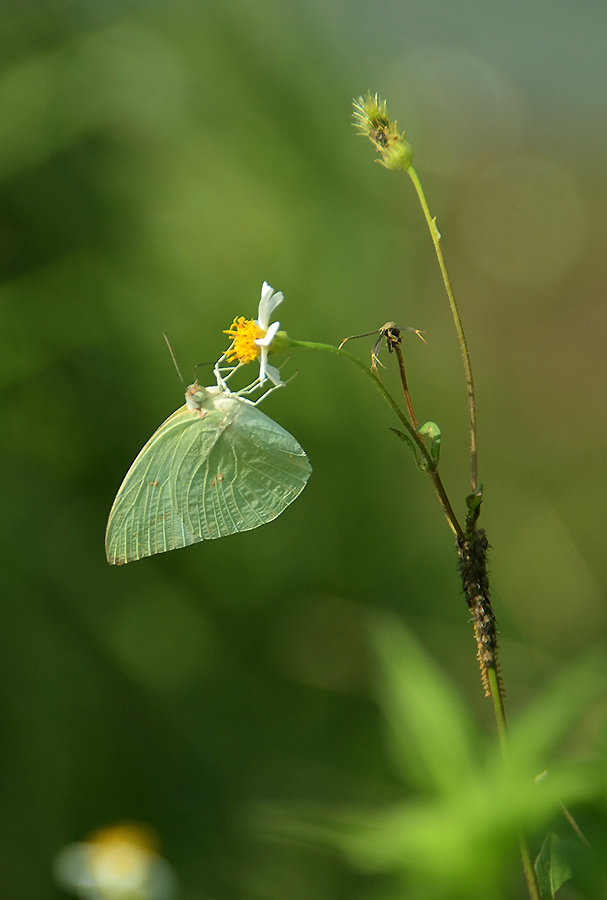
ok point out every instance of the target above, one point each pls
(218, 465)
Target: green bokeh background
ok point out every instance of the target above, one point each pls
(158, 161)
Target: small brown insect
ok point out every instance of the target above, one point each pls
(379, 137)
(390, 332)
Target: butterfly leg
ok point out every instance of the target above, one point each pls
(220, 371)
(269, 391)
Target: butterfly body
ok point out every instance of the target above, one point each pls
(216, 466)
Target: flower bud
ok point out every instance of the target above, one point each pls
(371, 118)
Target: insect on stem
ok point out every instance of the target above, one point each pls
(391, 333)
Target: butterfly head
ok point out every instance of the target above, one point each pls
(196, 395)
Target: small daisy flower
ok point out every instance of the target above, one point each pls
(252, 338)
(117, 863)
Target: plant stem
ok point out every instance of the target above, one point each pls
(532, 885)
(492, 678)
(439, 487)
(434, 234)
(497, 698)
(493, 681)
(403, 379)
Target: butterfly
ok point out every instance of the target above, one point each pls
(216, 466)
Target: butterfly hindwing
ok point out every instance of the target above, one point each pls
(245, 477)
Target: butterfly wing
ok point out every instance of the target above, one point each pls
(205, 474)
(249, 472)
(143, 520)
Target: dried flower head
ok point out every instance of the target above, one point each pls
(371, 118)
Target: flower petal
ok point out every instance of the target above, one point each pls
(267, 339)
(267, 304)
(266, 370)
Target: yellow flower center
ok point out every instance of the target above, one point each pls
(244, 333)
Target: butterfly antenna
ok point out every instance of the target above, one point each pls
(168, 343)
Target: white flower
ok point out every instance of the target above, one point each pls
(267, 304)
(252, 338)
(117, 863)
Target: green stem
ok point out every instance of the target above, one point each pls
(434, 234)
(500, 717)
(532, 885)
(498, 706)
(403, 381)
(493, 680)
(430, 463)
(492, 675)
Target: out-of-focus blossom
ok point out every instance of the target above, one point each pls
(116, 863)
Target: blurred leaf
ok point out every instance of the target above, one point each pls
(430, 731)
(460, 799)
(551, 866)
(550, 716)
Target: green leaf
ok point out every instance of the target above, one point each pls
(419, 459)
(218, 465)
(434, 433)
(551, 866)
(473, 501)
(430, 731)
(434, 229)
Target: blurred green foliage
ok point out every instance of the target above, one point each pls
(157, 163)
